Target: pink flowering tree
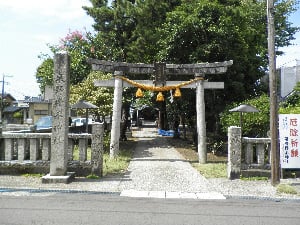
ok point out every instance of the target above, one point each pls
(80, 46)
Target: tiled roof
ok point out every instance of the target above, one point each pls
(12, 109)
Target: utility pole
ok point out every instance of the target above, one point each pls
(275, 171)
(2, 95)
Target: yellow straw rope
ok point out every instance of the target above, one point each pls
(153, 88)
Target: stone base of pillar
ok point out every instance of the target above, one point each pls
(48, 179)
(234, 173)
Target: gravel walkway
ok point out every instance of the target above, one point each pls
(158, 167)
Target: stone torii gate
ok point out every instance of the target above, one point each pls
(160, 70)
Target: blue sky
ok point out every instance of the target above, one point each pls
(27, 27)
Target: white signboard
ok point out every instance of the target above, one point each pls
(289, 135)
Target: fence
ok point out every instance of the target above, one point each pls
(31, 152)
(256, 153)
(246, 154)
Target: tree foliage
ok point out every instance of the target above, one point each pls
(130, 27)
(291, 104)
(44, 73)
(197, 31)
(253, 124)
(86, 90)
(80, 46)
(212, 31)
(257, 124)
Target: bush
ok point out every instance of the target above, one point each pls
(17, 115)
(253, 124)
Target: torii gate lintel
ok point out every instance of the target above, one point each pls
(171, 69)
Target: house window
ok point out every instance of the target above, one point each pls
(40, 112)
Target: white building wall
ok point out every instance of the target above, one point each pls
(289, 76)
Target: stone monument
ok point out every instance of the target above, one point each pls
(60, 126)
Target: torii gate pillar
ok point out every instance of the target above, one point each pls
(116, 116)
(201, 124)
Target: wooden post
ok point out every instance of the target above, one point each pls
(116, 117)
(160, 80)
(201, 125)
(275, 171)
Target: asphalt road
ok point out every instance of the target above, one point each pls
(85, 209)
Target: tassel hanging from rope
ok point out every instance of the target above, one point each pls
(160, 97)
(139, 93)
(177, 93)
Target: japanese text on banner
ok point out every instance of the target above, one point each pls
(289, 131)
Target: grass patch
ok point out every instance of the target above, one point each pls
(212, 170)
(92, 176)
(117, 165)
(37, 175)
(120, 163)
(112, 166)
(254, 178)
(286, 189)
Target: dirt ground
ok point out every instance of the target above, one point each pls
(189, 151)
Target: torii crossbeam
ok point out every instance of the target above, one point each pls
(173, 69)
(160, 70)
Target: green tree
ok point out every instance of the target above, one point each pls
(149, 16)
(253, 124)
(80, 46)
(195, 31)
(130, 27)
(44, 73)
(99, 96)
(112, 25)
(210, 31)
(291, 104)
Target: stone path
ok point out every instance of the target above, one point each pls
(158, 170)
